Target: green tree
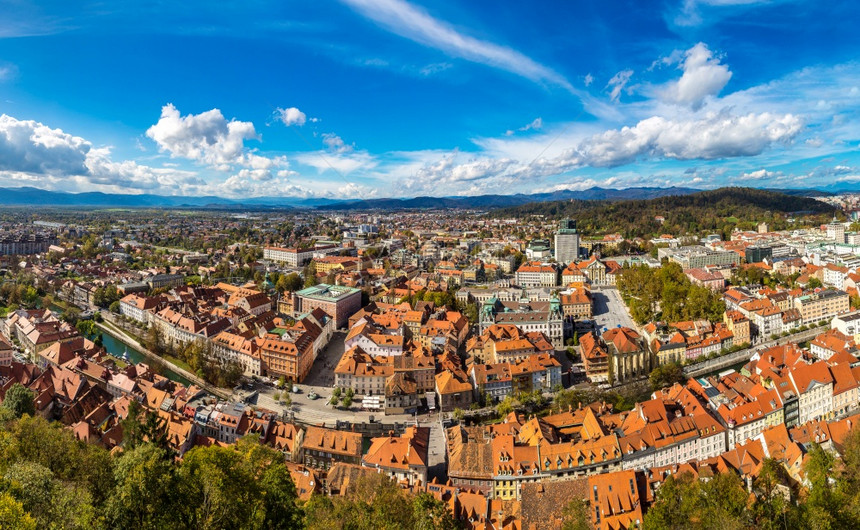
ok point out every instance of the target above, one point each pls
(505, 406)
(279, 496)
(13, 515)
(375, 501)
(666, 375)
(471, 313)
(671, 509)
(770, 511)
(430, 514)
(19, 400)
(290, 282)
(576, 516)
(310, 274)
(148, 494)
(53, 504)
(141, 426)
(823, 503)
(245, 486)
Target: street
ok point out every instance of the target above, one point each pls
(609, 310)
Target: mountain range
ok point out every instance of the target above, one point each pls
(29, 196)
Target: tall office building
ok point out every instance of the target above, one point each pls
(836, 231)
(567, 242)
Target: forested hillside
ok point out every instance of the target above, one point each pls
(718, 211)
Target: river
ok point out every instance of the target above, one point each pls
(118, 348)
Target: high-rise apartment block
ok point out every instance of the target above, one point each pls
(567, 242)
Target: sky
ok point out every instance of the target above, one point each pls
(352, 99)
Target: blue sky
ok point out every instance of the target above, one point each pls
(362, 98)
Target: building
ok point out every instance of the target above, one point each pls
(338, 301)
(616, 500)
(698, 257)
(401, 394)
(6, 351)
(738, 324)
(628, 356)
(566, 242)
(507, 343)
(139, 308)
(536, 274)
(814, 384)
(712, 280)
(25, 243)
(160, 281)
(836, 231)
(338, 263)
(231, 347)
(757, 254)
(543, 317)
(295, 257)
(290, 351)
(454, 390)
(595, 357)
(823, 305)
(576, 304)
(403, 458)
(323, 447)
(365, 374)
(848, 324)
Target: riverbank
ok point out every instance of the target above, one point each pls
(118, 334)
(741, 357)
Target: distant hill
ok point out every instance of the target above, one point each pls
(29, 196)
(718, 211)
(500, 201)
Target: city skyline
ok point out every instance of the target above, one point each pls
(360, 99)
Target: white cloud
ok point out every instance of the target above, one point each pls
(760, 174)
(291, 116)
(245, 185)
(28, 146)
(33, 152)
(434, 68)
(690, 14)
(578, 185)
(618, 82)
(537, 123)
(206, 137)
(713, 137)
(703, 76)
(588, 80)
(7, 72)
(290, 184)
(533, 125)
(335, 144)
(342, 163)
(128, 174)
(414, 23)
